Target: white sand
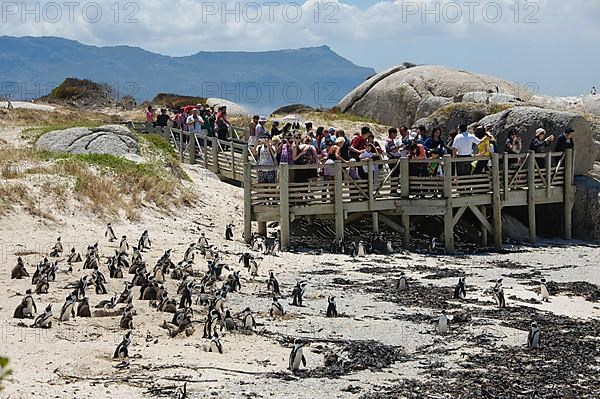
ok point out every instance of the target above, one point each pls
(83, 347)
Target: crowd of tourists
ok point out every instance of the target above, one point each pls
(322, 147)
(294, 144)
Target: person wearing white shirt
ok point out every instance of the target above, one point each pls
(194, 122)
(462, 147)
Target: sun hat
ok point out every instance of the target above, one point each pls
(540, 131)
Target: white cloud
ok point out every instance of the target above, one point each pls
(180, 27)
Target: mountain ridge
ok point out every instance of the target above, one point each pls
(265, 80)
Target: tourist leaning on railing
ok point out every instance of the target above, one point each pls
(484, 150)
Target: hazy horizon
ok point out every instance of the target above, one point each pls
(549, 45)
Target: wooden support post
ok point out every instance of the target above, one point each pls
(233, 172)
(284, 205)
(214, 150)
(531, 197)
(371, 185)
(339, 201)
(449, 215)
(483, 229)
(245, 155)
(548, 173)
(505, 176)
(181, 147)
(406, 235)
(496, 199)
(247, 202)
(375, 222)
(404, 178)
(205, 152)
(569, 195)
(192, 149)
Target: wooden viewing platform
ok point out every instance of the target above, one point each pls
(514, 180)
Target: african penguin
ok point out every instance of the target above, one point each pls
(248, 320)
(57, 250)
(296, 356)
(331, 307)
(110, 234)
(533, 339)
(83, 309)
(122, 350)
(498, 294)
(27, 308)
(229, 232)
(276, 308)
(544, 291)
(402, 283)
(19, 271)
(442, 325)
(45, 319)
(360, 252)
(215, 344)
(123, 245)
(460, 290)
(273, 284)
(228, 322)
(68, 309)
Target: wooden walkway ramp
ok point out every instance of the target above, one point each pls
(391, 195)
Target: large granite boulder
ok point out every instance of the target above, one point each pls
(586, 209)
(392, 97)
(431, 104)
(490, 98)
(528, 119)
(110, 139)
(233, 109)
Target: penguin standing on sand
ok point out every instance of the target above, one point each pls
(544, 291)
(83, 309)
(45, 319)
(110, 234)
(353, 249)
(210, 325)
(81, 287)
(215, 344)
(533, 339)
(99, 281)
(442, 325)
(249, 263)
(296, 356)
(189, 253)
(27, 308)
(108, 303)
(68, 309)
(229, 232)
(248, 320)
(460, 289)
(122, 350)
(298, 293)
(498, 294)
(144, 241)
(331, 307)
(181, 392)
(186, 296)
(126, 322)
(402, 283)
(123, 245)
(433, 246)
(57, 250)
(360, 251)
(228, 322)
(273, 284)
(276, 308)
(203, 244)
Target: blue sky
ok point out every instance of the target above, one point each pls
(551, 45)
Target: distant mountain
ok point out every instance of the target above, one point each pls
(262, 81)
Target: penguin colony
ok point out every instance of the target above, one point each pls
(209, 288)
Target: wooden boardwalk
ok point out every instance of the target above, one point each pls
(391, 195)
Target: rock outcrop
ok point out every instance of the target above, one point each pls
(393, 97)
(452, 115)
(586, 210)
(110, 139)
(527, 119)
(431, 104)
